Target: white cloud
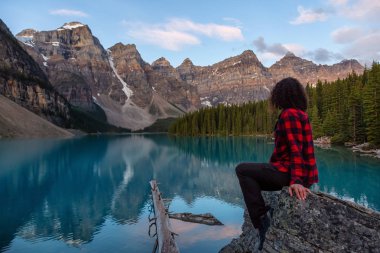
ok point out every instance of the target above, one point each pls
(177, 33)
(267, 58)
(271, 50)
(297, 49)
(359, 40)
(67, 12)
(276, 50)
(362, 10)
(322, 55)
(338, 2)
(309, 16)
(346, 34)
(365, 48)
(224, 32)
(269, 53)
(170, 40)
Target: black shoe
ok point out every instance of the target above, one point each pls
(263, 228)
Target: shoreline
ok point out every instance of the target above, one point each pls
(365, 150)
(323, 142)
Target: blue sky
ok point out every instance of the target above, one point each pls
(207, 31)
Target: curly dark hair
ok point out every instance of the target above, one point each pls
(289, 93)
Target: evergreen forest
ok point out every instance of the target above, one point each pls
(348, 110)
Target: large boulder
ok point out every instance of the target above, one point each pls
(322, 223)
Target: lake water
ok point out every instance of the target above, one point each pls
(92, 194)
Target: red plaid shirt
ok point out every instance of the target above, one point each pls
(294, 149)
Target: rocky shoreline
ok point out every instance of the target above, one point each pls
(322, 223)
(366, 150)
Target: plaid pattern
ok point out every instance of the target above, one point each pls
(294, 148)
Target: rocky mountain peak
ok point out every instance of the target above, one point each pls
(247, 58)
(248, 54)
(120, 48)
(161, 62)
(289, 54)
(290, 59)
(71, 25)
(351, 64)
(186, 70)
(129, 53)
(308, 72)
(187, 63)
(26, 33)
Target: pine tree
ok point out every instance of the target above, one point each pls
(371, 102)
(222, 119)
(316, 123)
(329, 124)
(356, 120)
(319, 98)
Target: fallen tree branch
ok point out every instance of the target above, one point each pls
(165, 237)
(207, 218)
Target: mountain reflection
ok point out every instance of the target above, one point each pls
(66, 189)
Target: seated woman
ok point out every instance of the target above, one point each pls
(292, 162)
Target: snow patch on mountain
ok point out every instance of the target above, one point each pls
(70, 26)
(45, 57)
(205, 102)
(128, 92)
(26, 39)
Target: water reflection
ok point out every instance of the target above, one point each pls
(65, 189)
(350, 176)
(69, 190)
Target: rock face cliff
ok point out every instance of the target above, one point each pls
(134, 93)
(309, 72)
(75, 62)
(235, 80)
(86, 74)
(322, 223)
(23, 81)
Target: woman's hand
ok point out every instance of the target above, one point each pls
(300, 190)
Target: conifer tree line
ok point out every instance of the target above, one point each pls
(246, 119)
(348, 110)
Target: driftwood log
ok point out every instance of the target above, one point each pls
(206, 219)
(165, 236)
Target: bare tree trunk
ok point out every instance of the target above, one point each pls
(166, 242)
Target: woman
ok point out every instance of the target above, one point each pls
(292, 162)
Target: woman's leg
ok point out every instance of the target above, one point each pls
(255, 177)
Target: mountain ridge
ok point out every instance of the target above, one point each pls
(101, 75)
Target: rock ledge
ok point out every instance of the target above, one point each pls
(322, 223)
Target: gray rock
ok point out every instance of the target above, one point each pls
(322, 223)
(24, 82)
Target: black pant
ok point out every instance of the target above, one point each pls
(255, 177)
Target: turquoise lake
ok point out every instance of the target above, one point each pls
(92, 194)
